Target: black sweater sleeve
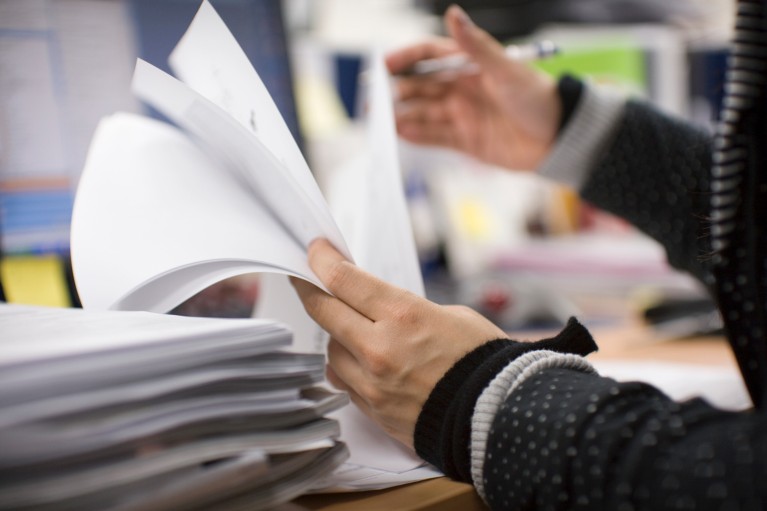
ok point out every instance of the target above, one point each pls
(656, 175)
(443, 428)
(569, 440)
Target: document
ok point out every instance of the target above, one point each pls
(228, 192)
(139, 410)
(29, 337)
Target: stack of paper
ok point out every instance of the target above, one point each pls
(226, 191)
(136, 410)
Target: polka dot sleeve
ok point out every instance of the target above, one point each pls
(500, 389)
(655, 175)
(443, 429)
(565, 439)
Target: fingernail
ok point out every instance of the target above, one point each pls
(462, 17)
(314, 244)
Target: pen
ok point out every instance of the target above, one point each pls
(462, 64)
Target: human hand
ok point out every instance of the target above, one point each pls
(388, 347)
(506, 114)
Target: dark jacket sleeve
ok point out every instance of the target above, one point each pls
(656, 175)
(443, 428)
(580, 441)
(566, 439)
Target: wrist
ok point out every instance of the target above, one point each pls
(569, 91)
(443, 429)
(584, 134)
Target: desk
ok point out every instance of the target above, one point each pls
(630, 340)
(439, 494)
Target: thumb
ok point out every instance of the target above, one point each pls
(478, 44)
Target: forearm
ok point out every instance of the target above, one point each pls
(650, 169)
(565, 439)
(656, 175)
(443, 430)
(547, 432)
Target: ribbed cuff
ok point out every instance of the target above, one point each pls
(588, 131)
(431, 421)
(570, 91)
(498, 391)
(443, 429)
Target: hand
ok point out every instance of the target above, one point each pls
(507, 114)
(388, 347)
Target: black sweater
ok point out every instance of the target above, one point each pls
(565, 439)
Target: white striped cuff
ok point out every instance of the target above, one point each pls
(499, 389)
(586, 135)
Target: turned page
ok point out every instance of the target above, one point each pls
(156, 220)
(209, 59)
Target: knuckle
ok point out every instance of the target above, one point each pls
(378, 364)
(337, 274)
(333, 350)
(463, 310)
(375, 397)
(404, 314)
(315, 304)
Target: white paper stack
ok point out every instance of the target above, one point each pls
(225, 191)
(136, 410)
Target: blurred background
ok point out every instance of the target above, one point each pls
(522, 251)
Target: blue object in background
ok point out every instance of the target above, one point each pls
(35, 219)
(708, 67)
(347, 67)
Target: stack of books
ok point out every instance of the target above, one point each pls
(137, 410)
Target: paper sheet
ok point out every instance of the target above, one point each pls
(374, 219)
(144, 182)
(238, 150)
(351, 477)
(27, 333)
(210, 61)
(384, 240)
(225, 214)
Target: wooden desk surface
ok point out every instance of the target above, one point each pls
(629, 341)
(439, 494)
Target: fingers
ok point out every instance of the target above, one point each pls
(426, 121)
(368, 295)
(422, 87)
(426, 133)
(339, 384)
(344, 369)
(344, 373)
(334, 379)
(481, 46)
(422, 110)
(337, 318)
(420, 100)
(402, 60)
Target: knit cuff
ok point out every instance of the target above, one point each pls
(570, 91)
(581, 142)
(443, 429)
(499, 390)
(431, 421)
